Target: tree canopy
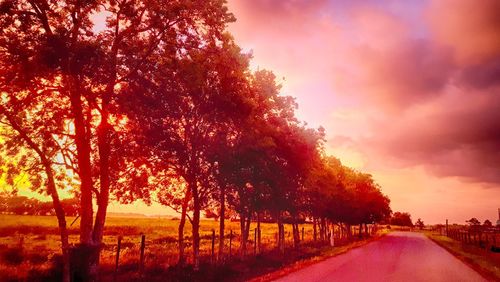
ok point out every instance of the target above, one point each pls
(160, 104)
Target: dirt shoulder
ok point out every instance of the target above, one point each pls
(484, 262)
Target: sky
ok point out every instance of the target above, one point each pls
(408, 91)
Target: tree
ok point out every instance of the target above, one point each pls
(401, 219)
(420, 224)
(37, 138)
(181, 119)
(473, 222)
(487, 223)
(51, 46)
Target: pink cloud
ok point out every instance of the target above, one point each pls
(398, 85)
(471, 27)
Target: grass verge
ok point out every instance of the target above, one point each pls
(484, 262)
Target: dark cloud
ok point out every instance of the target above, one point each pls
(420, 80)
(481, 76)
(460, 137)
(409, 72)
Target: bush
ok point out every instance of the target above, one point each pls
(37, 258)
(13, 255)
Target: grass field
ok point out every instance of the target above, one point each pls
(37, 237)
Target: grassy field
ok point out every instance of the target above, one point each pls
(37, 237)
(483, 261)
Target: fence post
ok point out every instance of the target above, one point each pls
(302, 233)
(213, 244)
(141, 261)
(447, 227)
(117, 256)
(332, 238)
(255, 242)
(230, 242)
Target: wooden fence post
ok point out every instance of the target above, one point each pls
(118, 247)
(447, 227)
(141, 260)
(213, 245)
(302, 233)
(255, 242)
(230, 242)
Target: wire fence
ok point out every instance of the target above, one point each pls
(133, 253)
(487, 238)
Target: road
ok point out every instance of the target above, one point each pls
(399, 256)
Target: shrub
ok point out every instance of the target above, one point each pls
(13, 255)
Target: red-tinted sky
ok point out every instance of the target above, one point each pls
(407, 90)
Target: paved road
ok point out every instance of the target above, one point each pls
(399, 256)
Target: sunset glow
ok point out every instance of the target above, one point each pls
(407, 90)
(250, 140)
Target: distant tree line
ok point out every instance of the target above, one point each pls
(474, 223)
(160, 105)
(22, 205)
(402, 219)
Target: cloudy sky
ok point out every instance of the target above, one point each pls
(407, 90)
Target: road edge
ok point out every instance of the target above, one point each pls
(485, 273)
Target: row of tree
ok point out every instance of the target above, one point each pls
(474, 223)
(22, 205)
(160, 105)
(401, 219)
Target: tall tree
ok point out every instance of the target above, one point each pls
(188, 105)
(56, 42)
(39, 140)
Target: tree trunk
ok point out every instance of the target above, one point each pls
(104, 147)
(281, 234)
(222, 203)
(61, 220)
(245, 231)
(314, 229)
(196, 226)
(320, 230)
(258, 232)
(52, 191)
(182, 222)
(323, 229)
(360, 230)
(243, 237)
(84, 167)
(332, 236)
(295, 233)
(283, 238)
